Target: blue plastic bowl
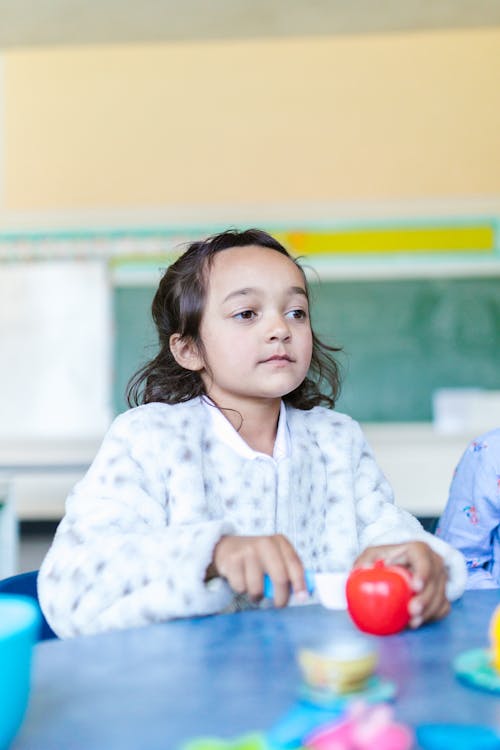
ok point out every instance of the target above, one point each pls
(457, 737)
(19, 628)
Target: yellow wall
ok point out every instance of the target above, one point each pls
(316, 119)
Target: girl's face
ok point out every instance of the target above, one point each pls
(255, 327)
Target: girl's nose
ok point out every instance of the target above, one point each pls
(278, 330)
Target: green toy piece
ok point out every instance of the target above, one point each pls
(476, 668)
(247, 742)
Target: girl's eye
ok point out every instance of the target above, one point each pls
(245, 315)
(297, 314)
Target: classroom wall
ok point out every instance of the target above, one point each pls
(304, 120)
(2, 133)
(276, 132)
(397, 118)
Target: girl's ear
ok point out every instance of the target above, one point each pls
(185, 352)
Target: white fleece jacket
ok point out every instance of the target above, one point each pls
(140, 528)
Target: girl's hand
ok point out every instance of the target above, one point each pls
(428, 574)
(243, 561)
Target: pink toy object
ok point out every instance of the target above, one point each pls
(365, 728)
(378, 598)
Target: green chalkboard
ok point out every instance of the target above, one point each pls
(401, 340)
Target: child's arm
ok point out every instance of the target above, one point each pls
(472, 514)
(115, 561)
(381, 524)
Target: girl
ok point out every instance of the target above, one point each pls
(231, 468)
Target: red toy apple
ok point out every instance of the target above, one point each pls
(378, 597)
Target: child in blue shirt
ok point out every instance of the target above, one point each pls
(471, 519)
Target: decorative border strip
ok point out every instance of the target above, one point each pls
(477, 238)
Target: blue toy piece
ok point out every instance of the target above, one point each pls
(298, 722)
(19, 624)
(457, 737)
(25, 585)
(269, 588)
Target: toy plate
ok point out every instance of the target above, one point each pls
(375, 691)
(475, 668)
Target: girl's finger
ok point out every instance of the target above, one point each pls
(439, 603)
(430, 603)
(254, 577)
(397, 557)
(273, 563)
(435, 613)
(235, 576)
(443, 611)
(294, 567)
(421, 560)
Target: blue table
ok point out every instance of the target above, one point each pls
(155, 687)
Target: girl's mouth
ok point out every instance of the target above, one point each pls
(278, 358)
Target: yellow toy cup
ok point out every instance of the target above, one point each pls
(344, 666)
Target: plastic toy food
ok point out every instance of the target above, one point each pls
(246, 742)
(378, 598)
(343, 666)
(365, 728)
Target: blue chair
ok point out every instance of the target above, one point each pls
(25, 584)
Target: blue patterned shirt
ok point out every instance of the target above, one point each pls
(471, 519)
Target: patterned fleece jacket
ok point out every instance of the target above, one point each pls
(140, 528)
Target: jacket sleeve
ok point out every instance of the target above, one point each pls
(380, 521)
(472, 514)
(115, 561)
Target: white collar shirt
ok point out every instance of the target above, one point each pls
(226, 433)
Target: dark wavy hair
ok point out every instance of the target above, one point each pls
(178, 308)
